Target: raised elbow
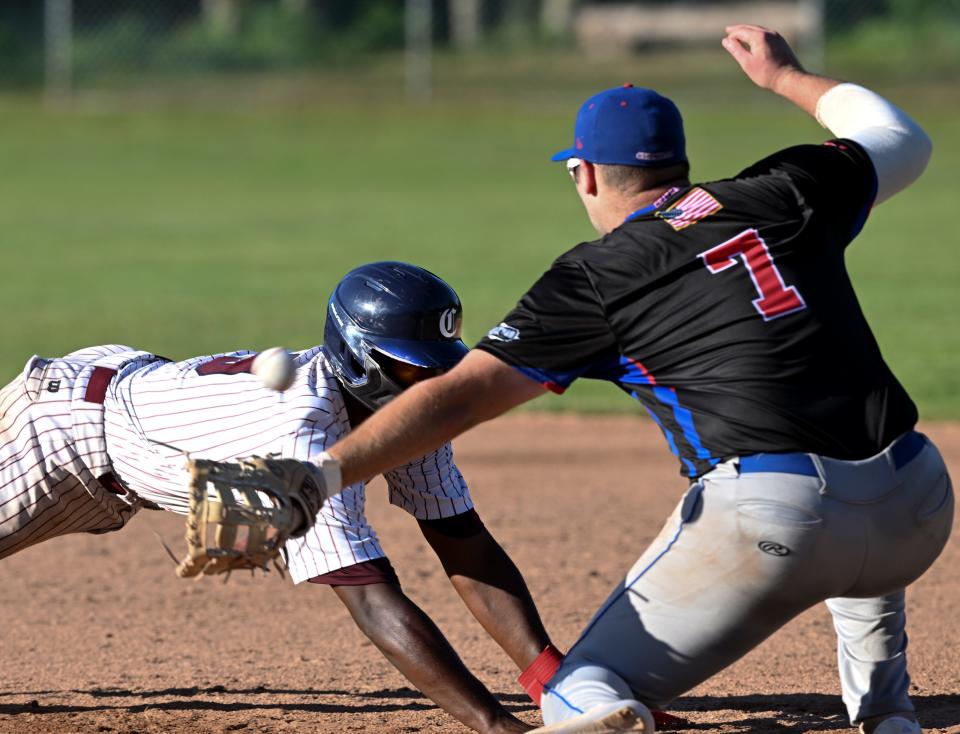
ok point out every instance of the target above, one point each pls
(900, 157)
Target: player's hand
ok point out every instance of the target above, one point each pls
(763, 55)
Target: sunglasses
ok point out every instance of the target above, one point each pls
(572, 165)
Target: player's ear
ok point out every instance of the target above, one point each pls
(587, 178)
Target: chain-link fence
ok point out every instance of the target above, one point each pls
(71, 44)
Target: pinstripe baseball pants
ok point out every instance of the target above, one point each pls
(46, 488)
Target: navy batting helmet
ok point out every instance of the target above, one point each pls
(393, 310)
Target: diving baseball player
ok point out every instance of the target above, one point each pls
(725, 308)
(89, 439)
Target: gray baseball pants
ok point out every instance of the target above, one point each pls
(751, 545)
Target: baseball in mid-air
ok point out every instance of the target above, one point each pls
(274, 367)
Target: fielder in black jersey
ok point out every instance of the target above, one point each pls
(726, 309)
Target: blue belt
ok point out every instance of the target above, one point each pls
(903, 452)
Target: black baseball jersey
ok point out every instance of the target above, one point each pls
(726, 309)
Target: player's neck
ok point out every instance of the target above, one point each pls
(623, 206)
(650, 196)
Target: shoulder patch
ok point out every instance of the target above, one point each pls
(696, 205)
(504, 333)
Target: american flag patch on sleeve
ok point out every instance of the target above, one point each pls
(693, 207)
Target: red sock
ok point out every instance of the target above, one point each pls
(540, 671)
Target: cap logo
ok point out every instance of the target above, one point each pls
(448, 322)
(644, 156)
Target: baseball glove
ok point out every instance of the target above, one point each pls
(243, 511)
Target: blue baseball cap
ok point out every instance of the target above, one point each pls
(628, 126)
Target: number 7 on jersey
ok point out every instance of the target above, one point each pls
(776, 298)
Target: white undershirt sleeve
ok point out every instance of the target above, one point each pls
(896, 144)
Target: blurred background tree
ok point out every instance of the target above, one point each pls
(192, 176)
(111, 39)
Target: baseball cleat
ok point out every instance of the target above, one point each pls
(609, 718)
(898, 725)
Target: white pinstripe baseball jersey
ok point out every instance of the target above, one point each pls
(213, 408)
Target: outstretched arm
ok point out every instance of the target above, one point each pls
(431, 413)
(410, 640)
(897, 146)
(490, 585)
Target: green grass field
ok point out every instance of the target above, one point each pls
(219, 215)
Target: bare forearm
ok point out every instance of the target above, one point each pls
(898, 147)
(803, 88)
(417, 648)
(431, 413)
(508, 615)
(770, 63)
(424, 417)
(492, 588)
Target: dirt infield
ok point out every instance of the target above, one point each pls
(99, 636)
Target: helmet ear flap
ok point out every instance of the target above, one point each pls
(377, 390)
(355, 364)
